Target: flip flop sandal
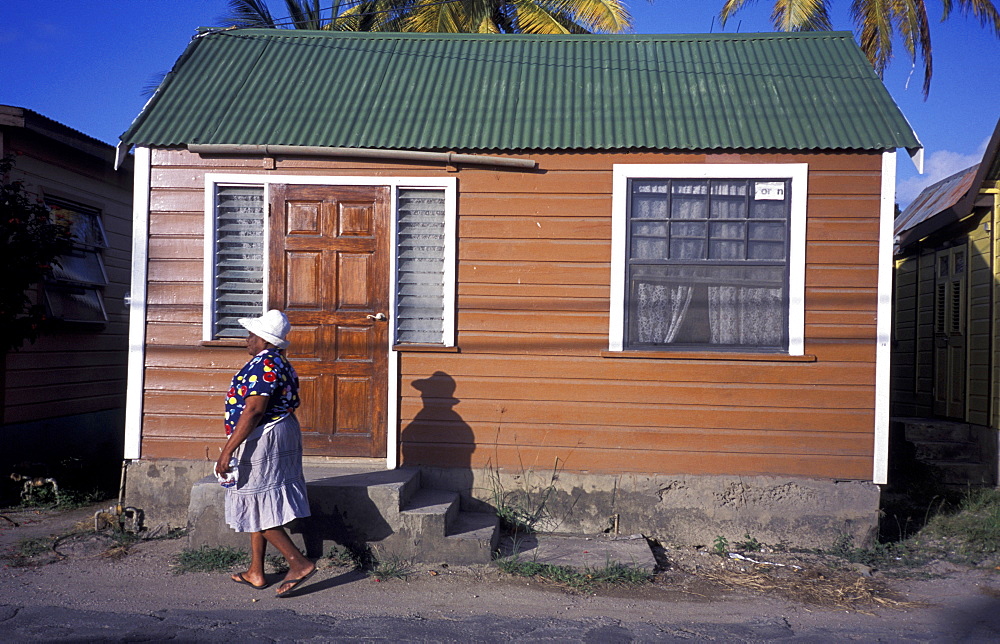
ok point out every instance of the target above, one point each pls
(243, 580)
(295, 583)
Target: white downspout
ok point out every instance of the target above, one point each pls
(883, 320)
(137, 306)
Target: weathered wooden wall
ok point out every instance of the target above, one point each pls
(534, 384)
(75, 369)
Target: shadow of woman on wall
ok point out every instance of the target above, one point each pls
(438, 440)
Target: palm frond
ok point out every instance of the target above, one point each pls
(248, 13)
(596, 16)
(983, 10)
(873, 19)
(730, 7)
(801, 15)
(910, 19)
(533, 18)
(433, 16)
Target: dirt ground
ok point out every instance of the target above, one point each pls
(88, 571)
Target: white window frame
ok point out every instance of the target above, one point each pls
(211, 216)
(448, 184)
(796, 173)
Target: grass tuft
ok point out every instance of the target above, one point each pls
(26, 552)
(209, 559)
(968, 534)
(611, 574)
(390, 567)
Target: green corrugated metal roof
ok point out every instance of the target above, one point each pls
(483, 92)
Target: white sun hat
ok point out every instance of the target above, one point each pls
(273, 326)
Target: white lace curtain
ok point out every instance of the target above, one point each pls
(737, 315)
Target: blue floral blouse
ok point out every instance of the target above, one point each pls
(266, 374)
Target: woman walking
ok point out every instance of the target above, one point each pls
(265, 446)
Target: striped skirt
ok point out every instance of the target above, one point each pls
(270, 489)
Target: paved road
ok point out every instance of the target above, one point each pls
(87, 597)
(58, 624)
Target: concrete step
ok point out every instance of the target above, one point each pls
(917, 430)
(946, 451)
(386, 509)
(581, 551)
(431, 511)
(478, 532)
(963, 474)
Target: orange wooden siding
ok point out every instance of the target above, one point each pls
(532, 318)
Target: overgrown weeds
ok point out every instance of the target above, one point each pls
(524, 509)
(962, 532)
(49, 497)
(209, 559)
(28, 551)
(357, 557)
(390, 566)
(371, 561)
(611, 574)
(967, 533)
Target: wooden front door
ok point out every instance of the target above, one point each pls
(949, 332)
(329, 273)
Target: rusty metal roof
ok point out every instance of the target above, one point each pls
(949, 200)
(482, 92)
(936, 198)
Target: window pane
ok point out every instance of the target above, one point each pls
(689, 200)
(239, 258)
(688, 240)
(718, 306)
(729, 199)
(649, 200)
(84, 222)
(767, 240)
(649, 240)
(80, 266)
(75, 304)
(723, 283)
(420, 257)
(727, 241)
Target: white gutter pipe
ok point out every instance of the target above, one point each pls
(368, 153)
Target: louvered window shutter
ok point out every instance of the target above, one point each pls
(420, 256)
(239, 258)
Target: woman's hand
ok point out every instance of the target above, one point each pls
(222, 465)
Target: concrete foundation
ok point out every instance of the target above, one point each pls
(680, 510)
(162, 489)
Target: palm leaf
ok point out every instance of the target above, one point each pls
(248, 13)
(596, 16)
(801, 15)
(433, 16)
(983, 10)
(730, 7)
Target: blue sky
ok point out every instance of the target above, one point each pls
(86, 64)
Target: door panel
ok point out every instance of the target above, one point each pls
(330, 274)
(950, 371)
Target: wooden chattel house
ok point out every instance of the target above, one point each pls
(614, 255)
(946, 342)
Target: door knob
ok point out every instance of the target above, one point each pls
(378, 317)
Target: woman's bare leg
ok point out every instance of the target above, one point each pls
(255, 574)
(298, 565)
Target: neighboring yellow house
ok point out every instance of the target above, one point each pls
(946, 343)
